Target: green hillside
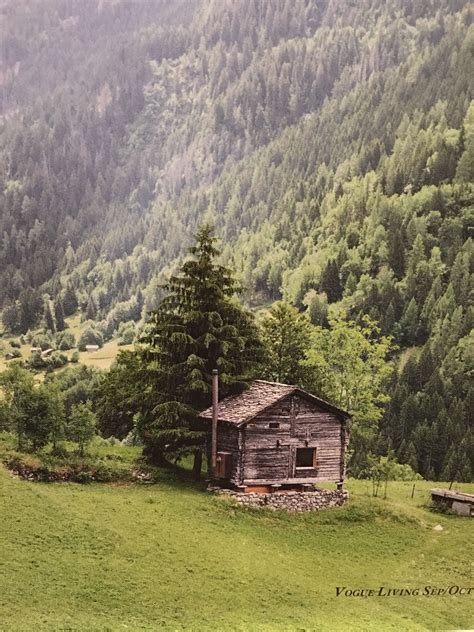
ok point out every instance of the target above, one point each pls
(170, 557)
(331, 143)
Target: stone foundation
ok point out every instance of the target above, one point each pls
(288, 500)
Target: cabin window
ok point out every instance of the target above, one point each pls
(305, 458)
(273, 424)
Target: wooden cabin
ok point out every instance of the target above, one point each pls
(275, 436)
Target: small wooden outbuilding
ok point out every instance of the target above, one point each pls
(459, 502)
(275, 436)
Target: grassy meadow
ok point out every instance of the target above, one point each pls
(101, 359)
(170, 556)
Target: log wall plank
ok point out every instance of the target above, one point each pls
(270, 453)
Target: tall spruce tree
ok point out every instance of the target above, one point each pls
(48, 318)
(330, 282)
(69, 300)
(198, 327)
(59, 315)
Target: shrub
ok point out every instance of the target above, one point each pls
(36, 362)
(90, 337)
(99, 441)
(386, 468)
(440, 507)
(126, 332)
(132, 438)
(58, 360)
(65, 341)
(18, 461)
(43, 341)
(60, 451)
(75, 357)
(82, 477)
(5, 417)
(15, 344)
(54, 361)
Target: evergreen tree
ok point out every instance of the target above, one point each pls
(59, 315)
(48, 318)
(410, 323)
(397, 250)
(69, 301)
(11, 318)
(91, 309)
(31, 306)
(330, 282)
(410, 457)
(198, 327)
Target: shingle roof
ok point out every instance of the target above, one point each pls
(238, 409)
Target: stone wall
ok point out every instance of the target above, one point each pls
(289, 500)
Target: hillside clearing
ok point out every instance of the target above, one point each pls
(170, 556)
(103, 358)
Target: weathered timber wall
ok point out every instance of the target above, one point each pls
(228, 441)
(302, 424)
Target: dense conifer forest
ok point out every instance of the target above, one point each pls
(330, 143)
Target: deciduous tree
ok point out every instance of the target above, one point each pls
(348, 365)
(286, 335)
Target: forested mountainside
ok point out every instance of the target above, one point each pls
(330, 142)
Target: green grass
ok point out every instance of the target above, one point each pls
(103, 358)
(172, 557)
(101, 462)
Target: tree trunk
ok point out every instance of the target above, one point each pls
(197, 465)
(156, 457)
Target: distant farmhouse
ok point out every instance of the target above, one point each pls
(277, 436)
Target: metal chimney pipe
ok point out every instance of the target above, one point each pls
(215, 401)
